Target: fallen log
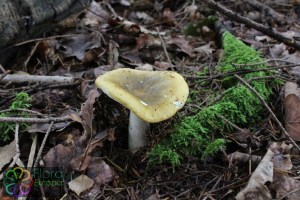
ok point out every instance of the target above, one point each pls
(24, 19)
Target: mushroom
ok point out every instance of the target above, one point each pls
(151, 96)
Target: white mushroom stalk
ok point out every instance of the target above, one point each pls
(137, 132)
(151, 97)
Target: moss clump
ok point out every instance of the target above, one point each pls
(192, 135)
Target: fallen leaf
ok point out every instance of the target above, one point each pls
(88, 115)
(168, 17)
(256, 188)
(238, 157)
(7, 153)
(58, 156)
(264, 173)
(183, 44)
(79, 44)
(204, 50)
(292, 110)
(80, 163)
(81, 184)
(100, 171)
(163, 65)
(95, 15)
(145, 67)
(286, 187)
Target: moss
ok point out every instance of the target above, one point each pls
(192, 135)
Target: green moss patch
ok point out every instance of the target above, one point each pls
(193, 134)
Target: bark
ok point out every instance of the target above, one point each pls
(21, 19)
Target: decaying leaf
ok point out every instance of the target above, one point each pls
(243, 157)
(77, 45)
(95, 15)
(256, 188)
(183, 44)
(286, 187)
(59, 155)
(265, 177)
(81, 184)
(292, 110)
(100, 171)
(7, 153)
(88, 115)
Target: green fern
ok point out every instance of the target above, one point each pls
(21, 101)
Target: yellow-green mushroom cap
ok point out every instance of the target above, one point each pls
(153, 96)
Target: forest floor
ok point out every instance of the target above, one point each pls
(75, 129)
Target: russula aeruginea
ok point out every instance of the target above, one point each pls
(151, 96)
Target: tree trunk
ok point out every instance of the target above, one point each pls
(24, 19)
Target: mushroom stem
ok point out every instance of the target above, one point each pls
(137, 131)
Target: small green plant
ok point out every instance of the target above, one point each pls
(193, 134)
(21, 101)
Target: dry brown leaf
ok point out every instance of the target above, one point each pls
(256, 188)
(204, 50)
(163, 65)
(95, 15)
(286, 186)
(113, 53)
(7, 153)
(274, 158)
(80, 163)
(81, 184)
(88, 115)
(292, 110)
(168, 17)
(77, 45)
(183, 44)
(100, 171)
(58, 156)
(243, 157)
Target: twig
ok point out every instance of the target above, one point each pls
(165, 49)
(266, 61)
(269, 31)
(34, 120)
(289, 193)
(15, 78)
(241, 71)
(111, 10)
(32, 151)
(42, 146)
(21, 110)
(16, 157)
(2, 69)
(278, 17)
(42, 39)
(268, 108)
(4, 74)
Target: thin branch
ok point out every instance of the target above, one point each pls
(15, 78)
(16, 157)
(35, 120)
(269, 31)
(21, 110)
(241, 71)
(268, 108)
(42, 146)
(165, 49)
(43, 39)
